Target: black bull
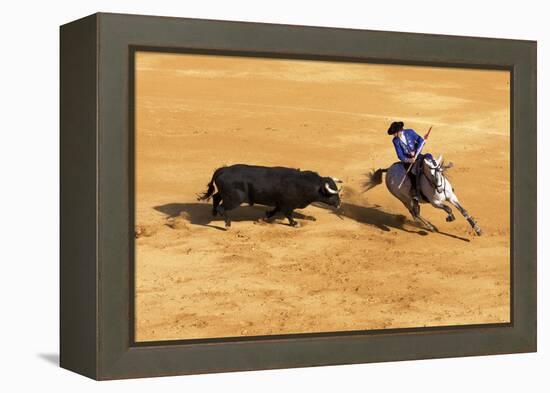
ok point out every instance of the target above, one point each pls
(285, 189)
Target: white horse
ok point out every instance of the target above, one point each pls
(434, 186)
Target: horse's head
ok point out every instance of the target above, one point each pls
(433, 170)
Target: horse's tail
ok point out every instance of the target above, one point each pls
(374, 178)
(208, 193)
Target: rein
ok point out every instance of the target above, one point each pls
(439, 188)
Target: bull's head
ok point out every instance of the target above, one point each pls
(330, 194)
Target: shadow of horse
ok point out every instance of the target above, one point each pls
(372, 215)
(201, 213)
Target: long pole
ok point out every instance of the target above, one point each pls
(418, 151)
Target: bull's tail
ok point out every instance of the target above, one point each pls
(208, 193)
(374, 178)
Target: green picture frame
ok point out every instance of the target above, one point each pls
(97, 208)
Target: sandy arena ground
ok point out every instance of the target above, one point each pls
(370, 267)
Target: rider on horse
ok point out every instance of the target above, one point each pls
(406, 143)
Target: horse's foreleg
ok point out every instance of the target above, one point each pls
(454, 200)
(447, 209)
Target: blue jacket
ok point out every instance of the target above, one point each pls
(408, 150)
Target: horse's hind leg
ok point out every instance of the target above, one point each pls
(426, 223)
(448, 210)
(417, 217)
(454, 200)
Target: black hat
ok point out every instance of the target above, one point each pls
(396, 126)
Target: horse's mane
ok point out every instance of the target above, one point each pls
(446, 166)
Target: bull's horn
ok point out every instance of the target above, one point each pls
(336, 180)
(327, 187)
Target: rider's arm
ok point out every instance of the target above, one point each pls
(400, 153)
(417, 139)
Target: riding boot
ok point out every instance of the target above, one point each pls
(418, 174)
(415, 182)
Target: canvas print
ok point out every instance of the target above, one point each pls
(286, 196)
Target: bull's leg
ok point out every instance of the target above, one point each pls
(224, 207)
(222, 212)
(454, 200)
(216, 199)
(230, 201)
(291, 221)
(270, 213)
(448, 210)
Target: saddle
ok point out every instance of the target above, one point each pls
(411, 176)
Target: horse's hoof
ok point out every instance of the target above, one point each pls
(478, 231)
(295, 224)
(450, 218)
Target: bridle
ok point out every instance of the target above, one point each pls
(442, 186)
